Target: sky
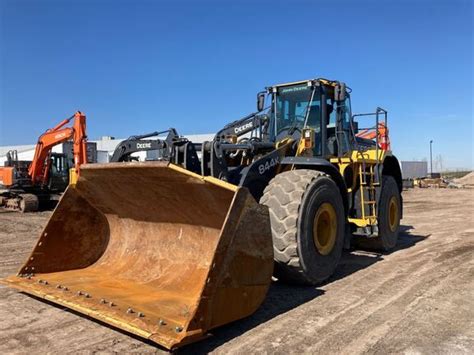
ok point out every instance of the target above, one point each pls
(138, 66)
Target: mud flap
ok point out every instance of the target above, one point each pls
(154, 250)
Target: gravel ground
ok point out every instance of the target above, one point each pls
(417, 299)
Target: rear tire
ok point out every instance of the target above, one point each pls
(389, 213)
(308, 221)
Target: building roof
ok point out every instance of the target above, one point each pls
(19, 148)
(104, 144)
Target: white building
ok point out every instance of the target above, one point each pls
(105, 148)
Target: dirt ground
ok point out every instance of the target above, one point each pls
(416, 299)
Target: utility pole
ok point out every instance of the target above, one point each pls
(431, 158)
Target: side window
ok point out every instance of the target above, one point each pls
(282, 112)
(54, 168)
(331, 112)
(332, 107)
(347, 113)
(314, 115)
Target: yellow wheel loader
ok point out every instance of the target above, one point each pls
(171, 249)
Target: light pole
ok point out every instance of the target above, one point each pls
(431, 158)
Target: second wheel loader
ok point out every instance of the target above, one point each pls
(169, 250)
(141, 143)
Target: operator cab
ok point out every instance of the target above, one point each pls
(59, 172)
(321, 105)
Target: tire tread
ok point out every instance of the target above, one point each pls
(284, 195)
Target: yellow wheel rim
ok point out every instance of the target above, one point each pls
(325, 228)
(393, 214)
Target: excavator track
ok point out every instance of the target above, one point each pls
(28, 203)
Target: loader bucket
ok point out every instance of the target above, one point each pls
(154, 250)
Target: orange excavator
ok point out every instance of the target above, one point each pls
(371, 134)
(24, 184)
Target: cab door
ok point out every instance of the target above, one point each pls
(58, 173)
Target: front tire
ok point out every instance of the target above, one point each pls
(308, 221)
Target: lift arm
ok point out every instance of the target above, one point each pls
(136, 144)
(39, 167)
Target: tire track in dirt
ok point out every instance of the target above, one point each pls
(352, 317)
(391, 312)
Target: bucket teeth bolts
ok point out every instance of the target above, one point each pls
(140, 315)
(129, 311)
(179, 329)
(80, 293)
(162, 322)
(111, 304)
(59, 286)
(103, 301)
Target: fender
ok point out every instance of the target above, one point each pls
(391, 167)
(257, 175)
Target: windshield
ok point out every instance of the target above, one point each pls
(293, 107)
(59, 165)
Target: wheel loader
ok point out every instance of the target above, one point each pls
(169, 250)
(134, 144)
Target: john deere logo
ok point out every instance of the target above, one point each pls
(143, 145)
(244, 127)
(293, 89)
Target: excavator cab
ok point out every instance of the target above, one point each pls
(58, 172)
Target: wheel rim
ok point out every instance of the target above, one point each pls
(325, 228)
(393, 214)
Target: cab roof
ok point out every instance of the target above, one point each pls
(327, 82)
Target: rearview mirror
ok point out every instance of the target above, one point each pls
(260, 101)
